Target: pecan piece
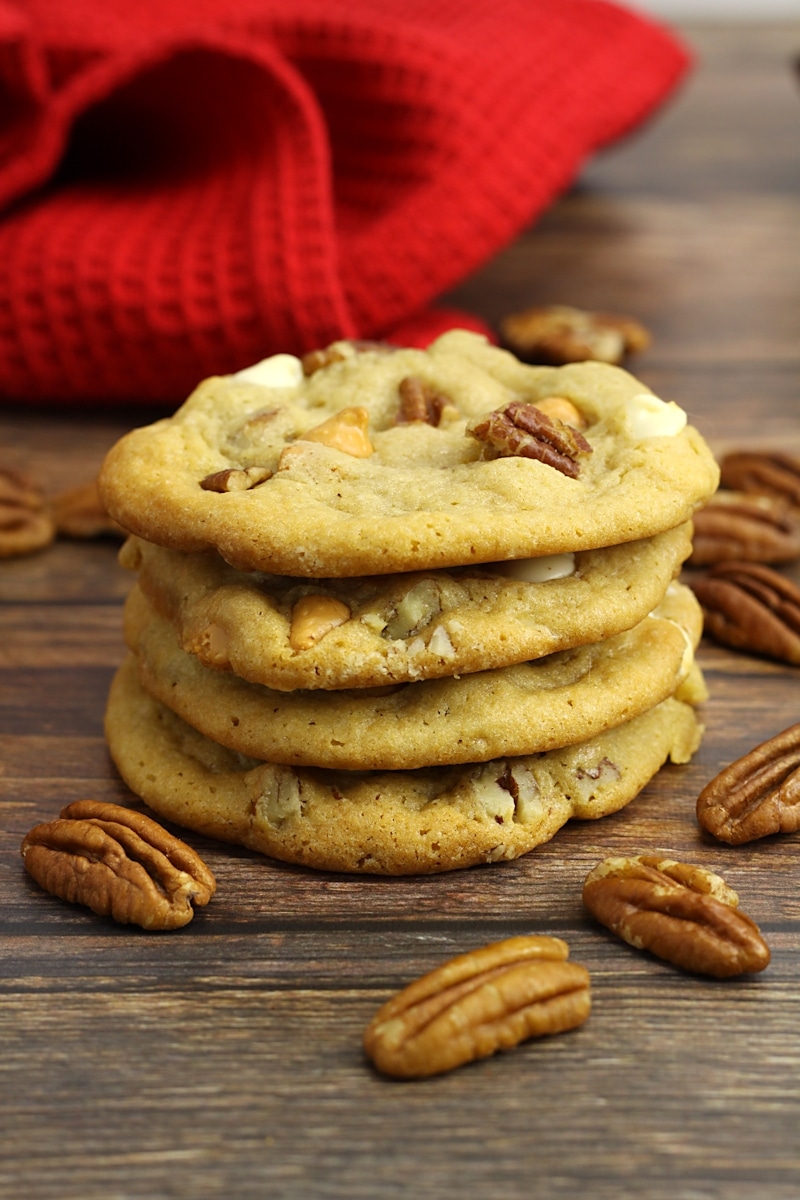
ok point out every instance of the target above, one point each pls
(757, 795)
(119, 863)
(686, 915)
(745, 527)
(420, 401)
(750, 607)
(768, 473)
(235, 479)
(25, 523)
(524, 430)
(79, 512)
(476, 1004)
(558, 334)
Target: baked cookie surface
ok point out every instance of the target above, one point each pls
(409, 822)
(339, 473)
(365, 632)
(531, 707)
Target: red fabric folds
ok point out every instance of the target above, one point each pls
(187, 186)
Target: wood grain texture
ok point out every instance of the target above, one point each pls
(225, 1060)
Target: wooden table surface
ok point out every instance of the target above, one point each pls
(225, 1059)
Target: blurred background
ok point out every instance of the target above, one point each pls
(759, 10)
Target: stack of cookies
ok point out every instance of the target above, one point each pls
(403, 611)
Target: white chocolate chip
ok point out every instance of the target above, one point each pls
(279, 371)
(536, 570)
(646, 416)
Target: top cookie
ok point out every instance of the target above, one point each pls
(364, 461)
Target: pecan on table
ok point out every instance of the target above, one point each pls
(557, 334)
(476, 1004)
(685, 915)
(523, 430)
(767, 473)
(25, 522)
(746, 528)
(119, 863)
(79, 512)
(750, 607)
(757, 795)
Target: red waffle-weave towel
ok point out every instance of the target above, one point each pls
(187, 186)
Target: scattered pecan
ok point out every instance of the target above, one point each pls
(558, 334)
(119, 863)
(744, 527)
(478, 1003)
(757, 795)
(686, 915)
(768, 473)
(79, 512)
(25, 522)
(420, 401)
(235, 479)
(751, 607)
(524, 430)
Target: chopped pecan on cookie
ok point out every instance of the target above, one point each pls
(558, 334)
(119, 863)
(524, 430)
(420, 401)
(684, 914)
(26, 524)
(235, 479)
(478, 1003)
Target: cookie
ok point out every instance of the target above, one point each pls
(381, 461)
(366, 632)
(565, 698)
(408, 822)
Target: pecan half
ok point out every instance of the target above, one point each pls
(746, 527)
(757, 795)
(235, 479)
(558, 334)
(25, 523)
(420, 401)
(79, 512)
(750, 607)
(686, 915)
(523, 430)
(769, 473)
(119, 863)
(476, 1004)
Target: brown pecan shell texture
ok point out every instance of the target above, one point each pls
(476, 1004)
(684, 914)
(757, 795)
(119, 863)
(751, 607)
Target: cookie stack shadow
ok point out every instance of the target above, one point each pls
(406, 720)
